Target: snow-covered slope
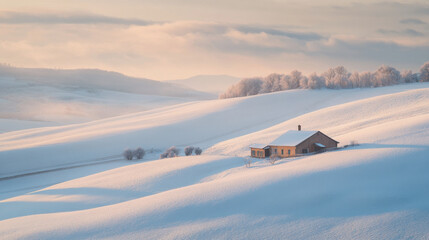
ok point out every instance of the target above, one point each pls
(214, 84)
(52, 97)
(377, 190)
(203, 123)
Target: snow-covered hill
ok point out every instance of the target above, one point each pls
(374, 190)
(48, 97)
(214, 84)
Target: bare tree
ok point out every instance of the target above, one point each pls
(139, 153)
(273, 159)
(188, 150)
(128, 154)
(198, 151)
(247, 162)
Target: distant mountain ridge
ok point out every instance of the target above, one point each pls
(96, 79)
(31, 95)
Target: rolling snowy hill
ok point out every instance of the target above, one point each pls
(374, 190)
(48, 97)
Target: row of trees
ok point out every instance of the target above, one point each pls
(174, 152)
(334, 78)
(139, 153)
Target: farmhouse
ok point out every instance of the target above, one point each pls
(293, 143)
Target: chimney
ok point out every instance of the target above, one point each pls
(299, 127)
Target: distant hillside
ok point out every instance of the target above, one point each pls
(208, 83)
(96, 79)
(29, 95)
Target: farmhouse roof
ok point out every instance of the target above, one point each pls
(292, 138)
(258, 145)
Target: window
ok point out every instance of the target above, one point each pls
(282, 152)
(275, 150)
(253, 153)
(288, 152)
(305, 150)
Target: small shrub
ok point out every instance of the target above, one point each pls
(273, 159)
(171, 152)
(188, 150)
(353, 143)
(248, 162)
(128, 154)
(198, 151)
(139, 153)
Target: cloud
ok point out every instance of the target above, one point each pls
(306, 36)
(407, 32)
(412, 21)
(181, 49)
(372, 51)
(65, 18)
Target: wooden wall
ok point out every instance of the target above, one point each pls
(285, 152)
(316, 138)
(257, 152)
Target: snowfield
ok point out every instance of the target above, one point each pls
(377, 190)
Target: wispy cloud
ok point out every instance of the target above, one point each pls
(170, 49)
(405, 32)
(306, 36)
(415, 21)
(64, 18)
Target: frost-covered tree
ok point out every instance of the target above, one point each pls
(409, 77)
(329, 77)
(341, 79)
(188, 150)
(334, 78)
(246, 87)
(303, 82)
(315, 82)
(284, 82)
(272, 83)
(139, 153)
(170, 152)
(354, 80)
(198, 151)
(337, 78)
(128, 154)
(424, 72)
(386, 76)
(295, 79)
(365, 79)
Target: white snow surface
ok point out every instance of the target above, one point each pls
(377, 190)
(292, 138)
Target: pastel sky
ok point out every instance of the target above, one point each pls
(171, 39)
